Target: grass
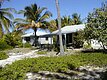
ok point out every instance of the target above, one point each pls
(18, 69)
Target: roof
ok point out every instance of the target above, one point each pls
(70, 29)
(27, 35)
(39, 32)
(64, 30)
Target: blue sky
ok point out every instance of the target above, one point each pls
(67, 7)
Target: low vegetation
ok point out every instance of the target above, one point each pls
(55, 64)
(3, 55)
(27, 45)
(42, 52)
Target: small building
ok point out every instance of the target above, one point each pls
(46, 37)
(42, 40)
(68, 33)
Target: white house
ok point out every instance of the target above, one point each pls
(30, 37)
(45, 37)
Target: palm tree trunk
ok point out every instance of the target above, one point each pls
(35, 41)
(59, 26)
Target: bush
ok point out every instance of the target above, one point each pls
(18, 69)
(4, 45)
(20, 44)
(78, 39)
(3, 55)
(27, 45)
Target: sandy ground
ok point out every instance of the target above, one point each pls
(12, 58)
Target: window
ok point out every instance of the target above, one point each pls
(27, 38)
(46, 38)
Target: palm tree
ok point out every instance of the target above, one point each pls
(5, 20)
(53, 25)
(59, 26)
(34, 18)
(76, 19)
(66, 20)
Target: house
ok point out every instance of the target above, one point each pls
(45, 37)
(68, 32)
(42, 40)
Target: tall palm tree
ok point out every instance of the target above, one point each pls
(59, 26)
(5, 20)
(34, 18)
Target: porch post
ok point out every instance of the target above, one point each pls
(65, 40)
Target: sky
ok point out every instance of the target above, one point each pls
(67, 7)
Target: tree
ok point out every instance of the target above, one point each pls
(53, 25)
(5, 20)
(96, 27)
(35, 18)
(66, 20)
(76, 19)
(59, 26)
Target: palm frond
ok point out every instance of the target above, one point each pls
(19, 20)
(1, 31)
(8, 9)
(46, 15)
(40, 10)
(21, 12)
(6, 23)
(34, 7)
(7, 14)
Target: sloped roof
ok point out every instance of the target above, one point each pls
(64, 30)
(70, 29)
(39, 32)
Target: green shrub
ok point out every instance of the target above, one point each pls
(42, 52)
(27, 45)
(3, 55)
(20, 44)
(18, 69)
(4, 45)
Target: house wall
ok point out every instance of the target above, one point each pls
(45, 40)
(41, 40)
(97, 45)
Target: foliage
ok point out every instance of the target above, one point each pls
(12, 39)
(4, 45)
(42, 52)
(87, 45)
(27, 45)
(8, 38)
(56, 64)
(5, 20)
(96, 27)
(65, 21)
(78, 39)
(35, 17)
(3, 55)
(76, 19)
(53, 25)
